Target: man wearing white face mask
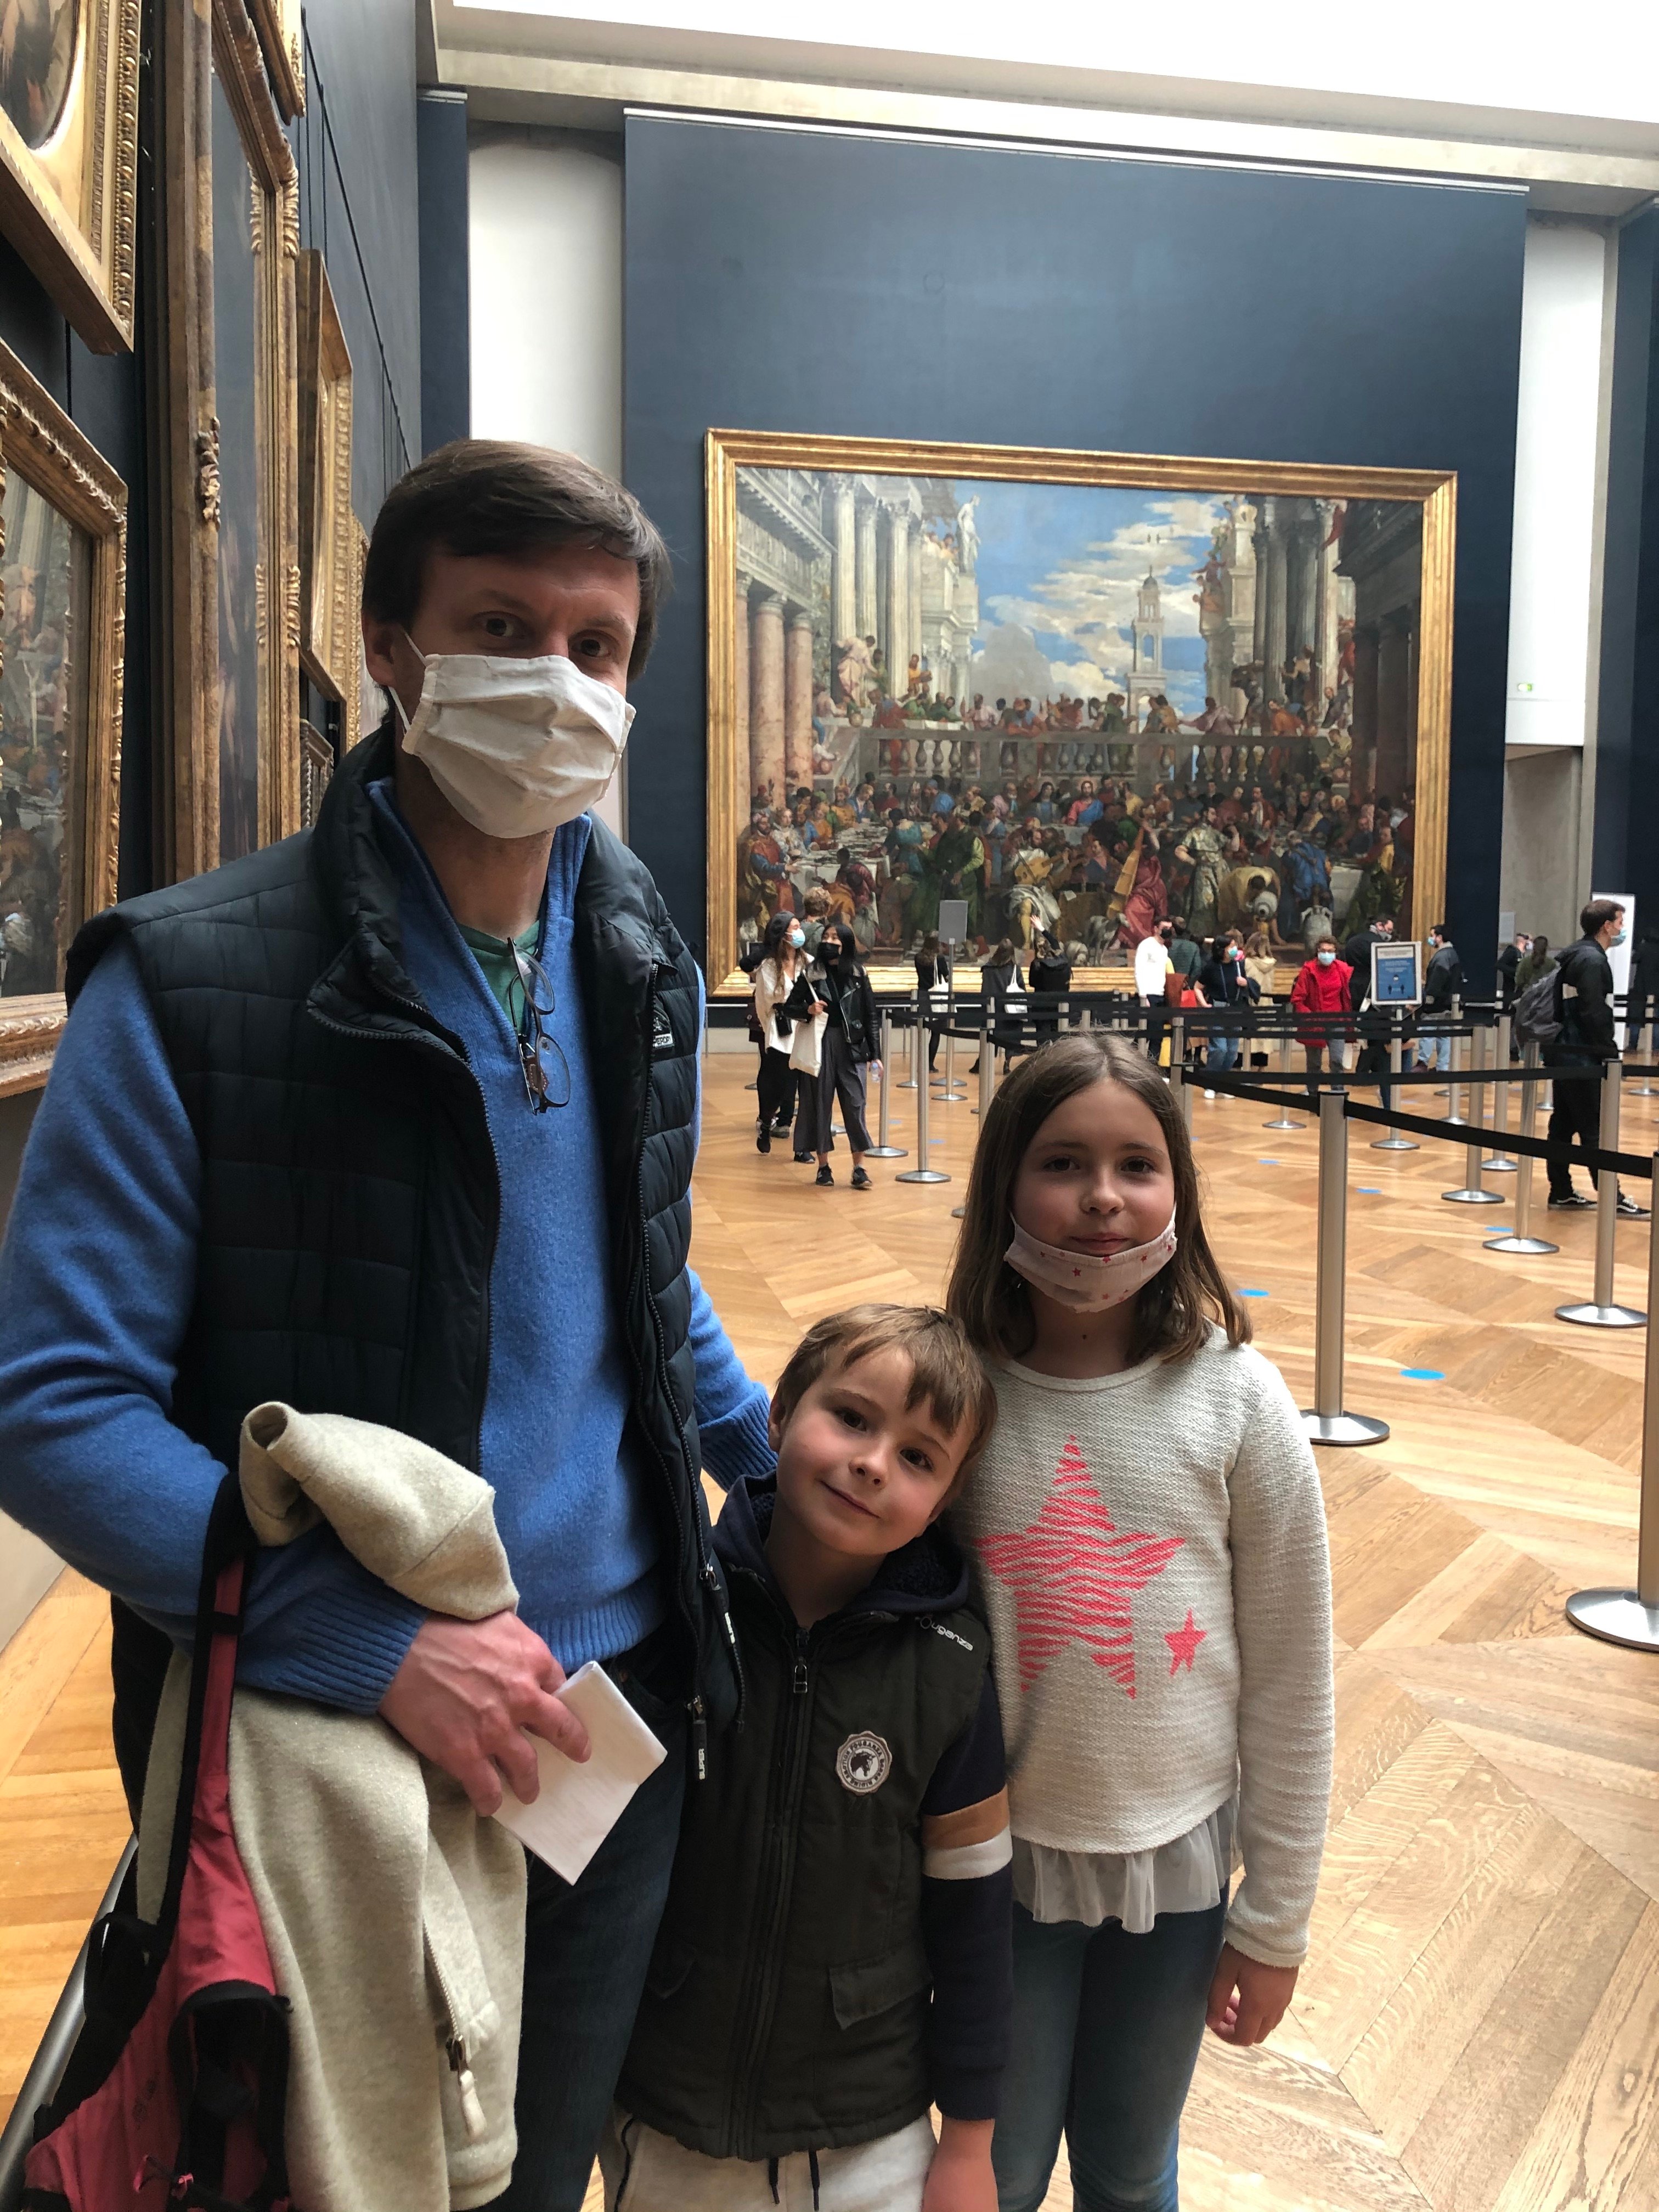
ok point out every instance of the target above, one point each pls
(396, 1119)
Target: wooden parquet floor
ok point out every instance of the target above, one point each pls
(1477, 2029)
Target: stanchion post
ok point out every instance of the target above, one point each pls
(884, 1148)
(922, 1172)
(1393, 1142)
(1472, 1193)
(1282, 1119)
(1601, 1312)
(1644, 1046)
(1328, 1422)
(1177, 1052)
(1454, 1066)
(1521, 1239)
(1500, 1163)
(1631, 1617)
(909, 1082)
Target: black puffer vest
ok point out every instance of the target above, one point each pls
(786, 2004)
(350, 1193)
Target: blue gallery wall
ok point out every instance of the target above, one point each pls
(882, 286)
(1628, 700)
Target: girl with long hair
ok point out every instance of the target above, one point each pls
(782, 959)
(1151, 1542)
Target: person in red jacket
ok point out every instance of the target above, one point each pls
(1320, 990)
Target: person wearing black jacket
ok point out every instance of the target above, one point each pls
(849, 1043)
(1375, 1022)
(835, 1954)
(1588, 1038)
(1225, 984)
(1443, 982)
(1643, 998)
(1002, 988)
(933, 967)
(1050, 972)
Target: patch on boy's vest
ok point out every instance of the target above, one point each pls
(863, 1763)
(662, 1032)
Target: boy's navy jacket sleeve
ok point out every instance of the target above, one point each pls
(967, 1915)
(98, 1278)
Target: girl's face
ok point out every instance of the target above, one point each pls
(1096, 1176)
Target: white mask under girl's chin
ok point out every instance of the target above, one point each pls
(1083, 1281)
(517, 747)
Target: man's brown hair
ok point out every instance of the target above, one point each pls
(1175, 1310)
(483, 495)
(945, 1371)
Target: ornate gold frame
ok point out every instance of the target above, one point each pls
(328, 527)
(38, 441)
(727, 451)
(70, 206)
(281, 36)
(188, 33)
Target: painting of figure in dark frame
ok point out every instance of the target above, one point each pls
(235, 358)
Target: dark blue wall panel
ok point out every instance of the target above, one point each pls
(1627, 701)
(882, 286)
(445, 352)
(356, 149)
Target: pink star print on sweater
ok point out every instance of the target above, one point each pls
(1073, 1573)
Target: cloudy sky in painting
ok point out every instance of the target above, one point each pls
(1066, 563)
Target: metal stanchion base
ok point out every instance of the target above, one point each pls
(1595, 1316)
(886, 1153)
(1497, 1167)
(1617, 1617)
(1532, 1246)
(958, 1212)
(1395, 1144)
(944, 1097)
(1473, 1197)
(922, 1175)
(1342, 1429)
(905, 1087)
(1284, 1122)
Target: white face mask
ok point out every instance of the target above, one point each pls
(1325, 959)
(797, 938)
(1081, 1279)
(517, 747)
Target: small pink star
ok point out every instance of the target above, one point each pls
(1183, 1642)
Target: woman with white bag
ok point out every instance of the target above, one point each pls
(783, 959)
(833, 1002)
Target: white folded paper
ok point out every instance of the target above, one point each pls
(581, 1802)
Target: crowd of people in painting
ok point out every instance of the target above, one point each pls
(1085, 858)
(35, 741)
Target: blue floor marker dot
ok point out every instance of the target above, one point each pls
(1243, 1293)
(1369, 1189)
(1267, 1163)
(1423, 1374)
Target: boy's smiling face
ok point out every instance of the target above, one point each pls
(860, 1472)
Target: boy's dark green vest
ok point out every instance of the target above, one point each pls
(786, 2004)
(349, 1196)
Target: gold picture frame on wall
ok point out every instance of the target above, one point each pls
(62, 597)
(68, 155)
(281, 36)
(903, 636)
(227, 428)
(328, 525)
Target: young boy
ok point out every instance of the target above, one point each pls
(833, 1956)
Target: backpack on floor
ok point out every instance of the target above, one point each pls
(1536, 1018)
(175, 2091)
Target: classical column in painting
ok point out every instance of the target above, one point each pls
(912, 599)
(1396, 720)
(843, 562)
(797, 701)
(766, 743)
(897, 627)
(1324, 637)
(864, 568)
(742, 728)
(1302, 598)
(1270, 597)
(1366, 658)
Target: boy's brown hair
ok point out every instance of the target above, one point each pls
(945, 1369)
(1175, 1310)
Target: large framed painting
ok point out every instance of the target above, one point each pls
(62, 588)
(69, 154)
(1077, 691)
(330, 639)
